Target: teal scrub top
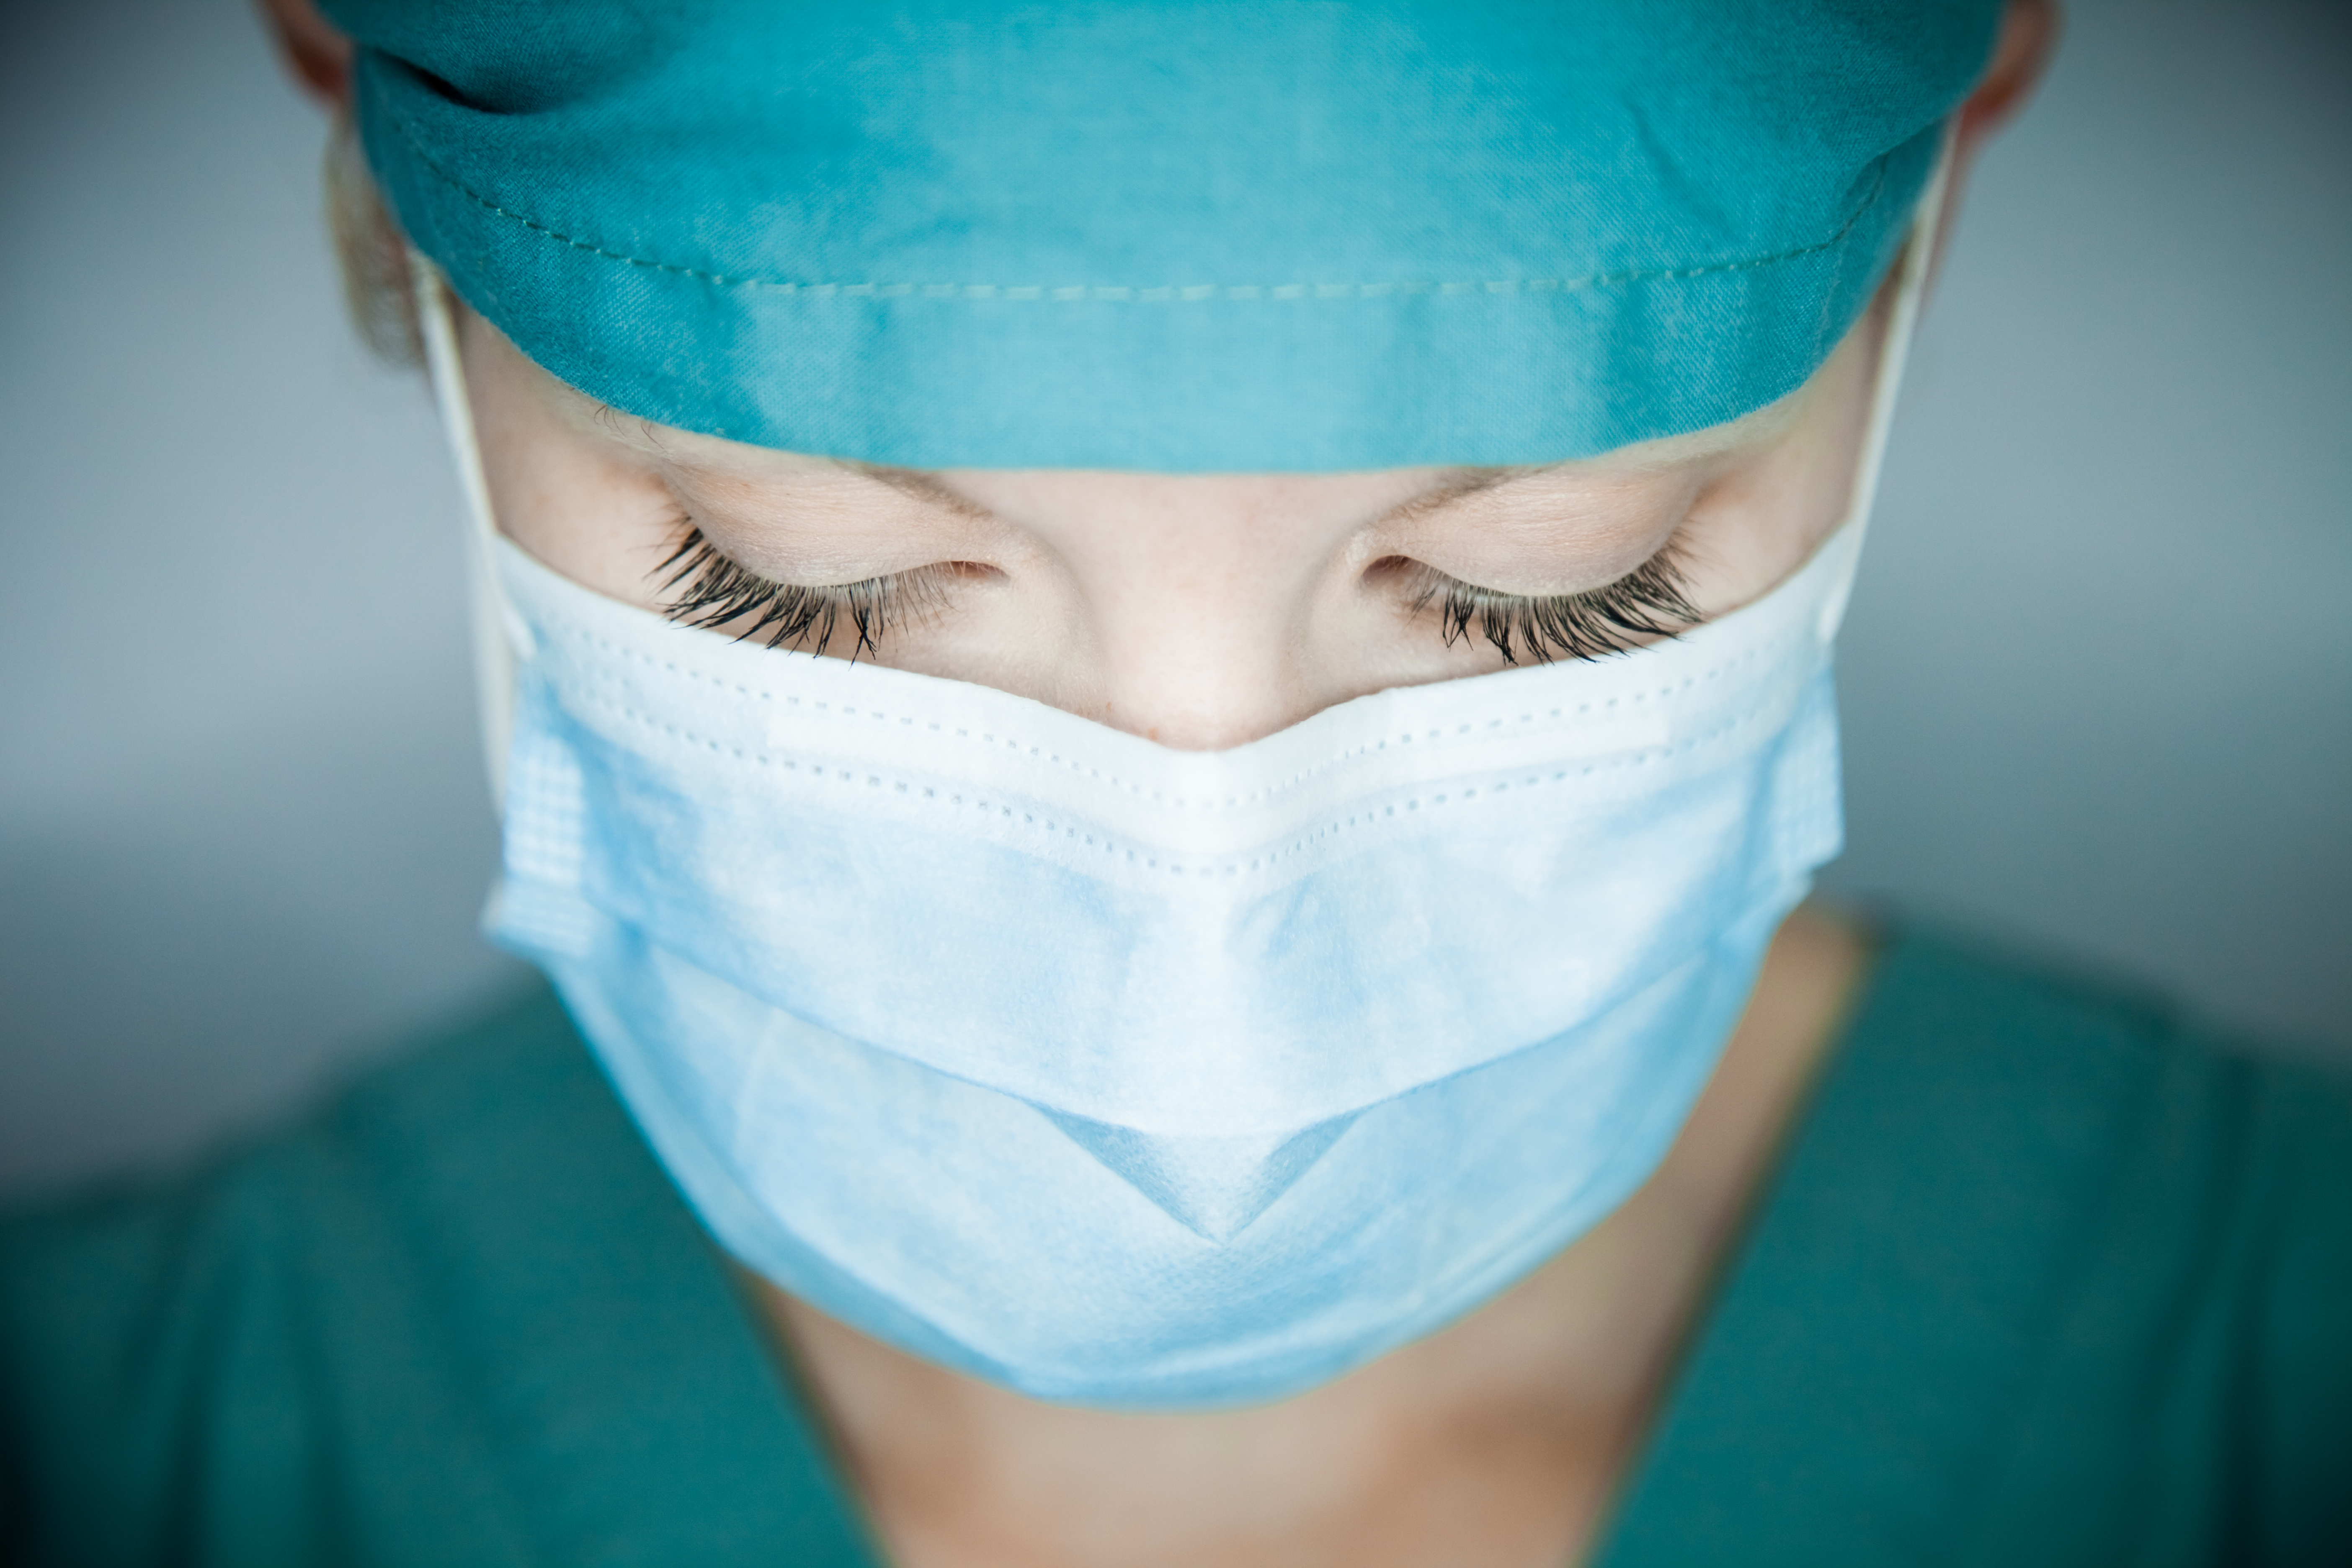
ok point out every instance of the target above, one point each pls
(2041, 1278)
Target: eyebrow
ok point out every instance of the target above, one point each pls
(1454, 485)
(912, 482)
(922, 486)
(1458, 485)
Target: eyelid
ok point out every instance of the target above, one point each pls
(718, 590)
(1650, 601)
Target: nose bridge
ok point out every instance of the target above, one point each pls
(1198, 680)
(1203, 608)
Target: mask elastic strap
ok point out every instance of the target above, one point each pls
(501, 640)
(1917, 260)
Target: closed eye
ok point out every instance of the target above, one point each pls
(705, 587)
(1652, 601)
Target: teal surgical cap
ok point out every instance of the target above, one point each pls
(1181, 238)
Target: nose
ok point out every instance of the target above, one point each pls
(1200, 604)
(1200, 682)
(1198, 611)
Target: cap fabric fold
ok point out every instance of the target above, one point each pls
(1180, 237)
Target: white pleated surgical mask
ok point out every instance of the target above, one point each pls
(1125, 1076)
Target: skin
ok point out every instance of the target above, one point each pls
(1197, 611)
(1202, 611)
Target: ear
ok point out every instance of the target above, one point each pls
(319, 56)
(2028, 33)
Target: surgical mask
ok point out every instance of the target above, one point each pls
(1130, 1076)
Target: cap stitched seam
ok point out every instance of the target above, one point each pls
(1189, 293)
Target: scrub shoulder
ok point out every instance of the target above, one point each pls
(2045, 1276)
(2042, 1276)
(457, 1314)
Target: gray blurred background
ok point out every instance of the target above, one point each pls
(2098, 675)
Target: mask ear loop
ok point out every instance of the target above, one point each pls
(1912, 269)
(502, 642)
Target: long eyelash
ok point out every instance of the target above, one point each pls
(1651, 601)
(712, 589)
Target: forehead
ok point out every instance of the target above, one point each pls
(690, 455)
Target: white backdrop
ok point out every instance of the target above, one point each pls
(2098, 674)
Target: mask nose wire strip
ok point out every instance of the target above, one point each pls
(1910, 288)
(499, 634)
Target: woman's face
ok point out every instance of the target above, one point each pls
(1198, 611)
